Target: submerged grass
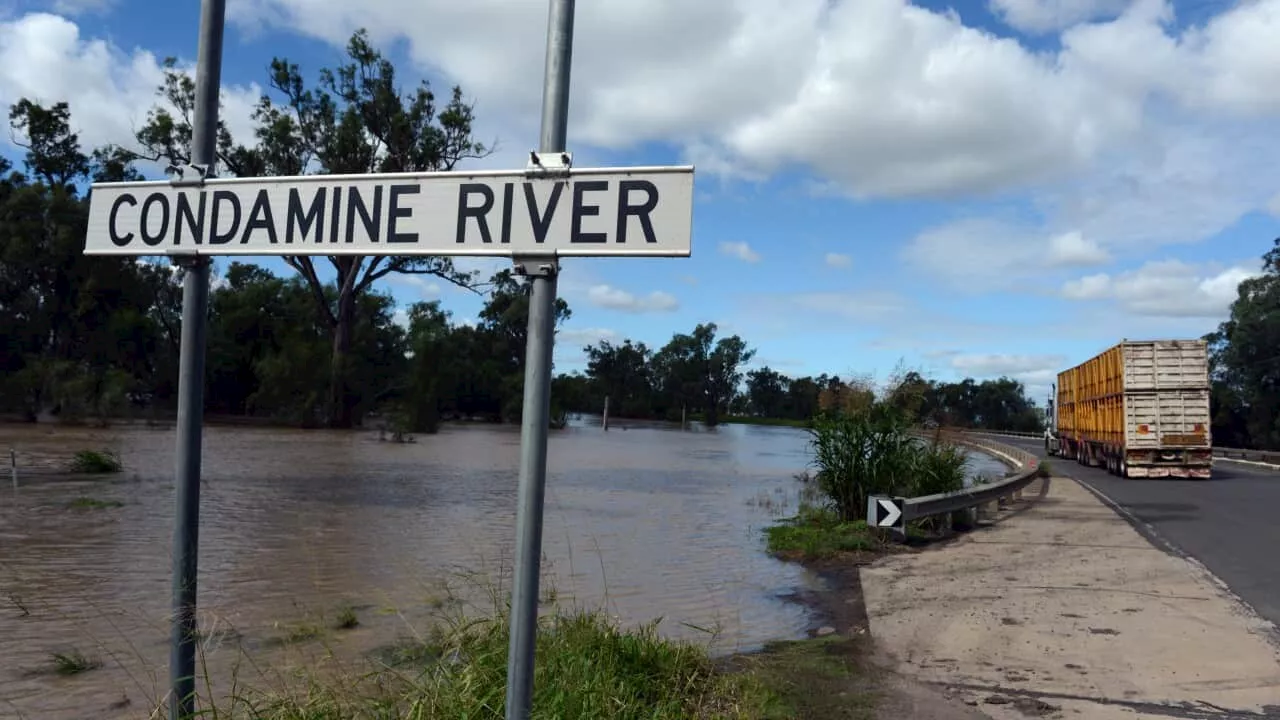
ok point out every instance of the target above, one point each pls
(814, 679)
(74, 662)
(88, 503)
(346, 618)
(93, 462)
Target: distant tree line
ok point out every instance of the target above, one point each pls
(698, 375)
(88, 328)
(1244, 354)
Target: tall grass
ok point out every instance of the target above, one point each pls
(872, 451)
(587, 667)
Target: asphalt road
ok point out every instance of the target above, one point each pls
(1230, 523)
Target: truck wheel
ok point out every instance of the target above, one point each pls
(1123, 470)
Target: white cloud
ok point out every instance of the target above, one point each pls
(1035, 372)
(995, 365)
(571, 343)
(483, 267)
(607, 296)
(739, 250)
(979, 254)
(1273, 205)
(1039, 16)
(81, 7)
(883, 96)
(401, 317)
(1236, 53)
(1073, 249)
(837, 260)
(426, 287)
(1168, 288)
(44, 58)
(777, 364)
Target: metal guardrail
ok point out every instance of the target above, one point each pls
(1026, 468)
(1268, 457)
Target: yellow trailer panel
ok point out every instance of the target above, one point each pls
(1140, 408)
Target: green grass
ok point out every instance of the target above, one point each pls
(73, 663)
(819, 679)
(815, 534)
(88, 503)
(587, 667)
(96, 462)
(346, 618)
(299, 632)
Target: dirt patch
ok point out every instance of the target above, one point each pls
(839, 674)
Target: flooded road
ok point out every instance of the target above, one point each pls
(296, 525)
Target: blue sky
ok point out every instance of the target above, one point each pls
(973, 188)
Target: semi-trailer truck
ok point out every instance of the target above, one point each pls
(1139, 409)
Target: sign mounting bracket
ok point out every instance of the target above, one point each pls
(554, 165)
(537, 265)
(183, 176)
(189, 175)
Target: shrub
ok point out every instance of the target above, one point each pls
(872, 451)
(93, 462)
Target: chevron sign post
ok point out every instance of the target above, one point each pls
(886, 513)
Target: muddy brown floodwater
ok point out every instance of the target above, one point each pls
(295, 525)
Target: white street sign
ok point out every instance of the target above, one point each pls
(645, 211)
(884, 512)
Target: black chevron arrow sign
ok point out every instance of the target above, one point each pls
(885, 512)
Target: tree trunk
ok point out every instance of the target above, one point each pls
(340, 401)
(712, 414)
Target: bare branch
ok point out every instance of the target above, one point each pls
(307, 270)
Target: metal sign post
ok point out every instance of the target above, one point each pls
(534, 216)
(535, 412)
(195, 314)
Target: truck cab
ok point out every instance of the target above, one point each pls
(1051, 423)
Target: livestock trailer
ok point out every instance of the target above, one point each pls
(1140, 409)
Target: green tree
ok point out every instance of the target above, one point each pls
(767, 393)
(355, 120)
(624, 374)
(79, 330)
(701, 371)
(429, 341)
(505, 324)
(1245, 362)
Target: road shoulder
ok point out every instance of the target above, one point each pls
(1063, 609)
